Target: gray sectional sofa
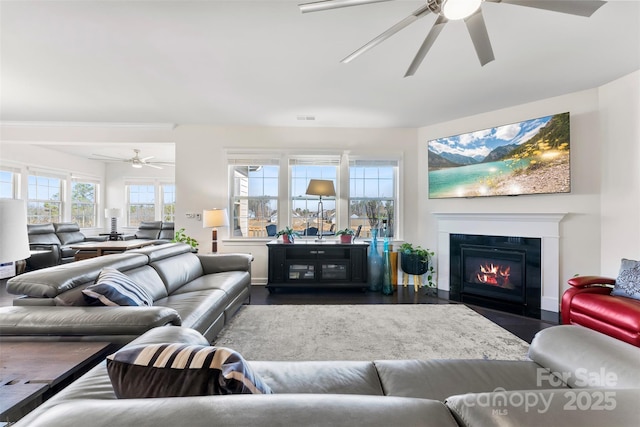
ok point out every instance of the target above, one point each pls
(197, 291)
(575, 377)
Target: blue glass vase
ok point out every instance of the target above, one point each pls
(387, 286)
(375, 266)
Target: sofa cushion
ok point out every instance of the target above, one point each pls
(149, 230)
(68, 232)
(628, 280)
(116, 288)
(175, 370)
(167, 232)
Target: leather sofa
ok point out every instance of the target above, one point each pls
(201, 292)
(589, 303)
(51, 243)
(575, 377)
(164, 232)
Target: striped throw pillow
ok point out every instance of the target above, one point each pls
(115, 288)
(175, 370)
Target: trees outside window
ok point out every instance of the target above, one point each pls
(84, 207)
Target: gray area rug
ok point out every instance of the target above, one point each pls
(368, 332)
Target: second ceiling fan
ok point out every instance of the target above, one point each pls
(136, 161)
(468, 10)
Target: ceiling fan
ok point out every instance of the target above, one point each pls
(136, 161)
(468, 10)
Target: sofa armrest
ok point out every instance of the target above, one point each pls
(216, 263)
(582, 281)
(84, 321)
(567, 297)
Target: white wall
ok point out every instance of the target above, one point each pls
(603, 221)
(201, 170)
(620, 159)
(603, 224)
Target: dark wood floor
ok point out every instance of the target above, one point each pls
(523, 327)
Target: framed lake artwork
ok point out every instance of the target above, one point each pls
(528, 157)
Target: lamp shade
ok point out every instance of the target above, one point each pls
(321, 187)
(215, 218)
(14, 240)
(113, 213)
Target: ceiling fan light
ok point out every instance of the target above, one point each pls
(136, 165)
(459, 9)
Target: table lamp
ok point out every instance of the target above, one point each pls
(214, 218)
(114, 214)
(14, 243)
(321, 187)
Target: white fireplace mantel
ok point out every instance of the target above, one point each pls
(545, 226)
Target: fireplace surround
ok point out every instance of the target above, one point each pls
(545, 226)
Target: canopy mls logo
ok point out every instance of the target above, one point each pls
(501, 401)
(581, 397)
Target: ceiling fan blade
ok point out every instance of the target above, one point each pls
(318, 6)
(419, 13)
(102, 156)
(151, 165)
(426, 45)
(144, 159)
(581, 8)
(479, 36)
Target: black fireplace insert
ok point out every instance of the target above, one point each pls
(496, 272)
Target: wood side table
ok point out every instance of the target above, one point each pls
(32, 372)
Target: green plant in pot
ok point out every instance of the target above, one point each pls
(181, 237)
(346, 235)
(417, 261)
(288, 234)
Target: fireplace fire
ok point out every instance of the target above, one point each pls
(496, 272)
(494, 275)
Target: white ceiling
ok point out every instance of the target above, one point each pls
(264, 63)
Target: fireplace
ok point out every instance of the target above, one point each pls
(497, 272)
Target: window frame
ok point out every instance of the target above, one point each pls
(239, 212)
(44, 219)
(368, 224)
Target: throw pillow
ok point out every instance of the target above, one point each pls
(628, 280)
(115, 288)
(174, 370)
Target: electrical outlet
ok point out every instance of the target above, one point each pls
(199, 217)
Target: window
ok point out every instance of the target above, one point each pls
(372, 194)
(305, 209)
(254, 196)
(141, 203)
(168, 202)
(8, 183)
(263, 192)
(84, 207)
(44, 198)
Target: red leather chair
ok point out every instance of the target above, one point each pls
(588, 303)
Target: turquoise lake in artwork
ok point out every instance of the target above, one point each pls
(466, 181)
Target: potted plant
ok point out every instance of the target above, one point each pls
(287, 234)
(417, 261)
(181, 237)
(346, 235)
